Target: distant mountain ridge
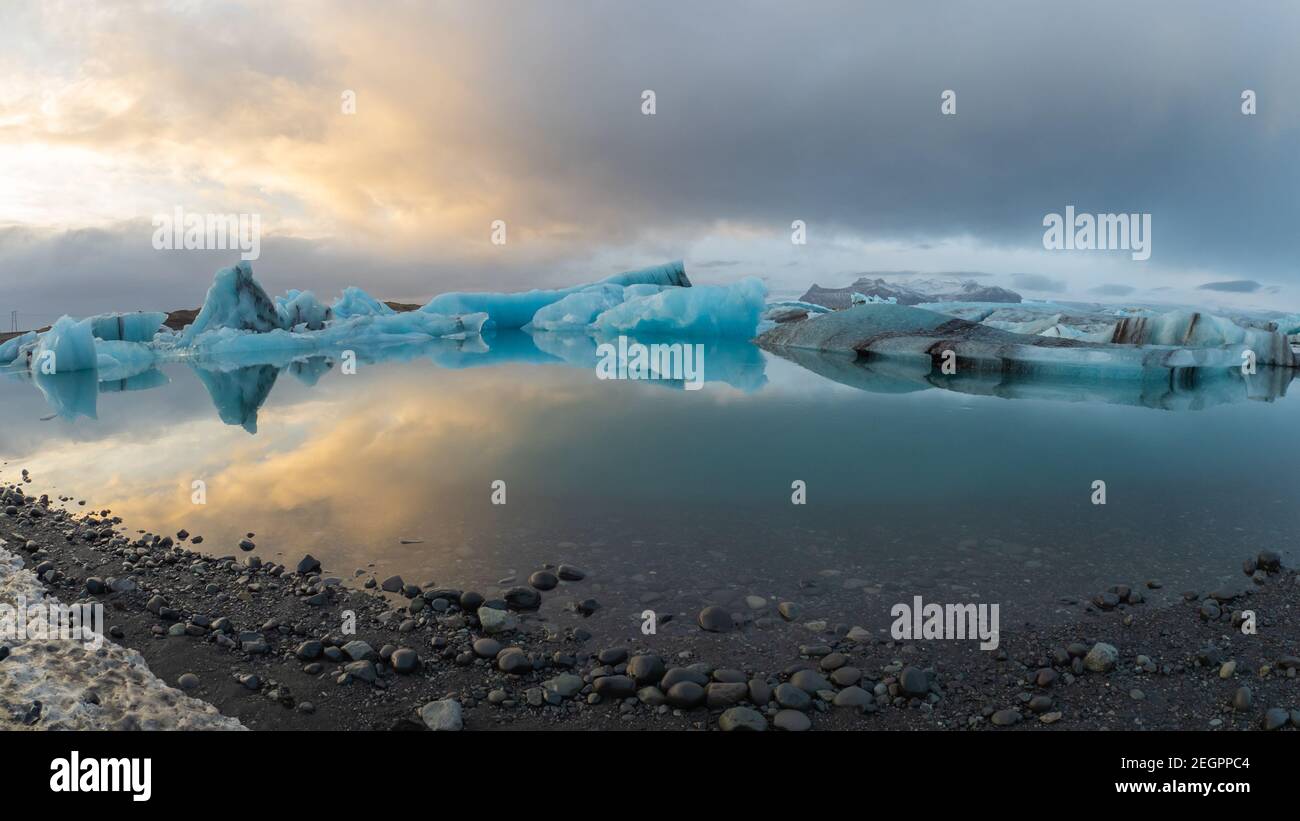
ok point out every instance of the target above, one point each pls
(914, 292)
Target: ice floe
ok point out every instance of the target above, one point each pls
(1138, 325)
(903, 346)
(704, 311)
(356, 302)
(67, 346)
(518, 309)
(10, 349)
(137, 327)
(236, 301)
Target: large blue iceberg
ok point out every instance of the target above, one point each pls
(241, 327)
(517, 310)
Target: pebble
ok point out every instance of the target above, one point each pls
(651, 696)
(791, 721)
(442, 716)
(615, 687)
(725, 694)
(613, 656)
(854, 697)
(846, 676)
(646, 669)
(358, 650)
(1275, 718)
(715, 619)
(741, 719)
(686, 695)
(565, 685)
(833, 661)
(810, 681)
(514, 661)
(677, 674)
(496, 621)
(405, 661)
(914, 682)
(544, 580)
(1102, 658)
(522, 598)
(189, 681)
(570, 573)
(362, 671)
(1242, 699)
(1006, 718)
(793, 697)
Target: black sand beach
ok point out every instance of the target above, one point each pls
(265, 644)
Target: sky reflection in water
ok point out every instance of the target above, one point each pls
(674, 498)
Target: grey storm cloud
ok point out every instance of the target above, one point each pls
(830, 112)
(825, 111)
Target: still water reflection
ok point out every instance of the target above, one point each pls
(669, 498)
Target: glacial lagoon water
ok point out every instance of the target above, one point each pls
(673, 499)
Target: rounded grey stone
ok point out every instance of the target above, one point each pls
(788, 695)
(686, 694)
(716, 619)
(742, 719)
(791, 721)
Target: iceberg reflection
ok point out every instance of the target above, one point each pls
(1156, 387)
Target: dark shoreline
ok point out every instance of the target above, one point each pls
(223, 620)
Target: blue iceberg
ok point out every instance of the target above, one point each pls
(516, 310)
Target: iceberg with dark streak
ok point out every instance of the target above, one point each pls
(1136, 325)
(895, 348)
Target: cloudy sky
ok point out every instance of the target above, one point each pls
(531, 113)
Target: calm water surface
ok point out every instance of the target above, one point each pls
(672, 499)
